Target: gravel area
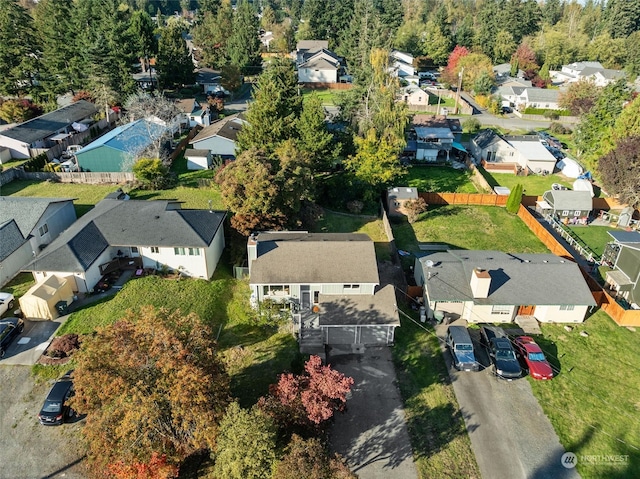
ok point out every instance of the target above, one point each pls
(29, 450)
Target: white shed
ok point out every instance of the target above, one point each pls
(197, 159)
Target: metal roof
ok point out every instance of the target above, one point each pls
(130, 138)
(625, 236)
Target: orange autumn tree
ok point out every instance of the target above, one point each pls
(151, 382)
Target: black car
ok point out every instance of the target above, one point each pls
(9, 329)
(56, 407)
(501, 352)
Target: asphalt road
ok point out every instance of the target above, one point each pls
(27, 348)
(510, 435)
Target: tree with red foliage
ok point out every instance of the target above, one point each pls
(156, 468)
(619, 170)
(308, 399)
(451, 70)
(526, 60)
(84, 95)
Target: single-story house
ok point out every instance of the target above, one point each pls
(331, 282)
(496, 287)
(435, 137)
(398, 197)
(523, 151)
(192, 113)
(156, 234)
(208, 79)
(541, 98)
(197, 159)
(415, 97)
(532, 154)
(45, 130)
(120, 148)
(503, 72)
(220, 137)
(323, 67)
(623, 254)
(26, 226)
(568, 206)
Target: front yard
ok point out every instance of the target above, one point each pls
(593, 403)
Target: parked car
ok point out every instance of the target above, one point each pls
(461, 346)
(501, 352)
(532, 358)
(506, 109)
(56, 406)
(6, 302)
(9, 329)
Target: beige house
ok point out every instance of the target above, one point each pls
(518, 151)
(415, 97)
(398, 197)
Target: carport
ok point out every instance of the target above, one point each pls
(42, 299)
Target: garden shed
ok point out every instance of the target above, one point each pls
(43, 299)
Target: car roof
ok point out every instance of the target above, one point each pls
(59, 390)
(502, 342)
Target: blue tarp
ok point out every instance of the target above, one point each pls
(458, 146)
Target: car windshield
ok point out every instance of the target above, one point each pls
(464, 347)
(51, 406)
(536, 357)
(505, 354)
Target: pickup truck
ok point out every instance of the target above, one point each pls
(6, 302)
(501, 352)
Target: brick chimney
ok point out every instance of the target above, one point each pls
(480, 283)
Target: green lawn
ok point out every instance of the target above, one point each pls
(438, 178)
(337, 223)
(439, 439)
(534, 185)
(593, 403)
(468, 227)
(327, 95)
(191, 197)
(595, 237)
(253, 353)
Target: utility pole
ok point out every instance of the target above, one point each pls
(460, 73)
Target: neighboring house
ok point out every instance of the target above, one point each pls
(26, 226)
(593, 71)
(192, 113)
(157, 233)
(220, 137)
(323, 67)
(331, 281)
(623, 254)
(305, 49)
(146, 80)
(415, 97)
(401, 64)
(266, 38)
(568, 206)
(523, 151)
(120, 148)
(503, 72)
(496, 287)
(197, 159)
(541, 98)
(435, 137)
(46, 130)
(398, 197)
(511, 93)
(208, 79)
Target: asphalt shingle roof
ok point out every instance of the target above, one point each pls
(569, 199)
(360, 309)
(516, 279)
(10, 239)
(26, 211)
(310, 258)
(228, 124)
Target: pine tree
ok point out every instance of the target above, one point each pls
(243, 46)
(314, 139)
(174, 64)
(17, 49)
(514, 199)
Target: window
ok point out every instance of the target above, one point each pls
(179, 251)
(351, 287)
(500, 309)
(43, 230)
(565, 212)
(134, 250)
(194, 251)
(276, 290)
(567, 307)
(576, 212)
(155, 249)
(316, 297)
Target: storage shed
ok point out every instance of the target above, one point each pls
(42, 299)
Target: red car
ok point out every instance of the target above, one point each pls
(532, 358)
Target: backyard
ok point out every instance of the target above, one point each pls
(595, 237)
(533, 185)
(327, 95)
(592, 403)
(438, 178)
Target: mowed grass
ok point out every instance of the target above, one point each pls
(253, 353)
(440, 442)
(327, 95)
(438, 178)
(197, 198)
(468, 227)
(595, 237)
(593, 403)
(533, 185)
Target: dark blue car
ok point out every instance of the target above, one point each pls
(9, 329)
(501, 352)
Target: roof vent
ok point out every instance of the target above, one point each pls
(157, 217)
(545, 260)
(527, 261)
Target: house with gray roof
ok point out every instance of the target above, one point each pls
(541, 98)
(27, 225)
(568, 206)
(45, 130)
(587, 71)
(497, 287)
(512, 152)
(623, 255)
(156, 233)
(397, 198)
(305, 49)
(220, 137)
(321, 67)
(331, 283)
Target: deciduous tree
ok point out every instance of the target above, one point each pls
(579, 97)
(619, 170)
(150, 382)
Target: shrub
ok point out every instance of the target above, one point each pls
(551, 114)
(151, 173)
(471, 125)
(63, 346)
(515, 197)
(415, 208)
(355, 206)
(559, 129)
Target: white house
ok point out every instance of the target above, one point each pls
(26, 226)
(197, 159)
(401, 64)
(497, 287)
(192, 113)
(322, 67)
(592, 71)
(524, 151)
(542, 98)
(331, 282)
(220, 137)
(305, 49)
(156, 234)
(208, 79)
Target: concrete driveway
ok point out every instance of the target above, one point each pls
(372, 434)
(510, 435)
(27, 348)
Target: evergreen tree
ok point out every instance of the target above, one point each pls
(142, 31)
(212, 33)
(623, 17)
(17, 49)
(552, 11)
(174, 64)
(243, 46)
(514, 199)
(504, 46)
(464, 32)
(314, 139)
(437, 43)
(208, 6)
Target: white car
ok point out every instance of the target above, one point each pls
(6, 302)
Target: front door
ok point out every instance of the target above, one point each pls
(526, 310)
(305, 297)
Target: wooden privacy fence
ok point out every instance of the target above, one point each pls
(543, 235)
(92, 178)
(480, 199)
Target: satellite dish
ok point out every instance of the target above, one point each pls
(429, 263)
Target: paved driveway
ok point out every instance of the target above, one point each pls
(27, 348)
(510, 435)
(372, 434)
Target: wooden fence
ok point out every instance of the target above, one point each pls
(541, 232)
(331, 86)
(479, 199)
(91, 178)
